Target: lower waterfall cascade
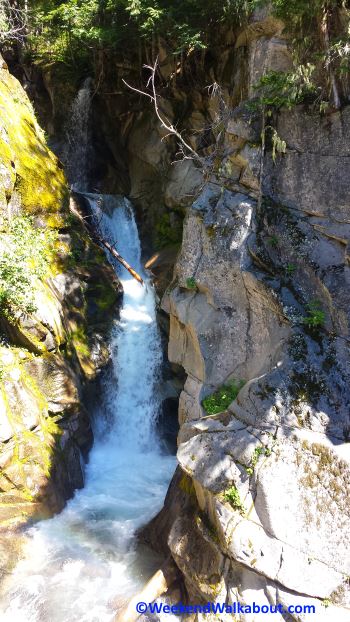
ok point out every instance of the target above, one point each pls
(83, 563)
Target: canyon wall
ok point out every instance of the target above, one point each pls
(57, 298)
(259, 509)
(259, 506)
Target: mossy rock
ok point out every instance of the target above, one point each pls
(32, 170)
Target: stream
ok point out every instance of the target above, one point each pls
(83, 564)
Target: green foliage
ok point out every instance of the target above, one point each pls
(24, 258)
(278, 144)
(191, 283)
(279, 89)
(320, 36)
(70, 30)
(258, 451)
(231, 495)
(315, 317)
(298, 11)
(290, 269)
(168, 230)
(222, 398)
(273, 241)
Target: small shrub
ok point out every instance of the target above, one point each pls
(222, 398)
(315, 317)
(191, 283)
(286, 89)
(24, 258)
(273, 241)
(231, 495)
(290, 269)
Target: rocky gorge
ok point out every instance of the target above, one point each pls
(251, 267)
(49, 352)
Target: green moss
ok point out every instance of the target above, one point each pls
(38, 178)
(186, 485)
(222, 398)
(168, 230)
(191, 283)
(273, 241)
(104, 295)
(78, 345)
(290, 269)
(231, 495)
(79, 339)
(30, 448)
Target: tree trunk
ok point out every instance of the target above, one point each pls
(156, 586)
(324, 29)
(75, 208)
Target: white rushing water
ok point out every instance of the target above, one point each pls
(81, 564)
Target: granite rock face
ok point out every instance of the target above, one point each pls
(260, 294)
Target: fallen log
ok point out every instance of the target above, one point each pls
(156, 586)
(76, 210)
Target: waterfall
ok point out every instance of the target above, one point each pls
(79, 565)
(77, 133)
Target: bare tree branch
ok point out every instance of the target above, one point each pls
(165, 122)
(13, 22)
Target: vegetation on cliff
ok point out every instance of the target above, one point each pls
(220, 400)
(29, 169)
(72, 28)
(25, 258)
(78, 33)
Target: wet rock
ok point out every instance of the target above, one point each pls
(161, 265)
(167, 423)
